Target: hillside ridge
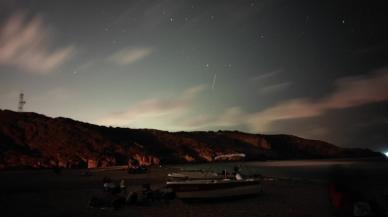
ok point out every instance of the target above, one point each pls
(31, 140)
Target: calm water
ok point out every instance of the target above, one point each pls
(309, 169)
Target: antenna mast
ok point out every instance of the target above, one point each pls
(21, 102)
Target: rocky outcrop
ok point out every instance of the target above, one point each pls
(36, 141)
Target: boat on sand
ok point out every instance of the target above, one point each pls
(213, 188)
(193, 175)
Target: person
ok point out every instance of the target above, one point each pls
(110, 186)
(225, 173)
(106, 180)
(122, 184)
(237, 174)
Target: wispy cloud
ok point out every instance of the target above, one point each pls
(231, 117)
(267, 75)
(162, 109)
(349, 92)
(129, 55)
(359, 90)
(24, 43)
(296, 108)
(274, 87)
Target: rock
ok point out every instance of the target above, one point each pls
(36, 141)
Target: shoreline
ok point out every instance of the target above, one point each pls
(45, 193)
(339, 160)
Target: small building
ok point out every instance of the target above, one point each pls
(92, 164)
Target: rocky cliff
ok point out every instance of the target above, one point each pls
(34, 140)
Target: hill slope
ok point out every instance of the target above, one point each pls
(34, 140)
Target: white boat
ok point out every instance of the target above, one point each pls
(200, 174)
(191, 175)
(212, 189)
(220, 186)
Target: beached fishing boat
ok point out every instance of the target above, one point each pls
(212, 188)
(200, 174)
(194, 175)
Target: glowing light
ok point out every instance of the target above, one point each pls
(386, 154)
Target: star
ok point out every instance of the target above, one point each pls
(207, 65)
(171, 19)
(307, 19)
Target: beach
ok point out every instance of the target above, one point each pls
(45, 193)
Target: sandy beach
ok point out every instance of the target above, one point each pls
(43, 193)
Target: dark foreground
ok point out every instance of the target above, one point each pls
(44, 193)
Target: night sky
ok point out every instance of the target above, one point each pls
(315, 69)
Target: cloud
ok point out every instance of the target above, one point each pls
(25, 44)
(267, 75)
(349, 92)
(231, 117)
(128, 56)
(274, 87)
(197, 122)
(152, 110)
(354, 91)
(296, 108)
(172, 113)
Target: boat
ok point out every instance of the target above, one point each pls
(199, 174)
(215, 188)
(193, 175)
